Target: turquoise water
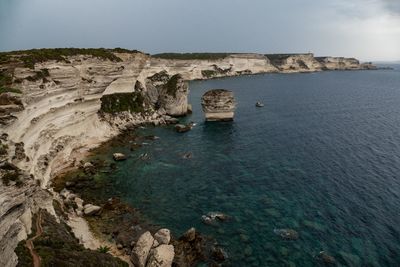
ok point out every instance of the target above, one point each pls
(322, 157)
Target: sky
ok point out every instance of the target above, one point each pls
(366, 29)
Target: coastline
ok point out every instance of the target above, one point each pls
(59, 122)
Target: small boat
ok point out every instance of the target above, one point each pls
(259, 104)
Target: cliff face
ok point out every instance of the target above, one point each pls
(53, 110)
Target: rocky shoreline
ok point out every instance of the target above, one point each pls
(120, 226)
(57, 104)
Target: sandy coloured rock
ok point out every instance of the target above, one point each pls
(218, 105)
(163, 236)
(141, 249)
(161, 256)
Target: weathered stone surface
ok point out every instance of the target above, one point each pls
(161, 256)
(141, 250)
(90, 209)
(119, 156)
(190, 235)
(163, 236)
(174, 96)
(218, 105)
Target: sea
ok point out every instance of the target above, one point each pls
(321, 158)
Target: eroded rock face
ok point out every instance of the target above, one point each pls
(169, 94)
(218, 105)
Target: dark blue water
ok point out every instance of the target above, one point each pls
(322, 157)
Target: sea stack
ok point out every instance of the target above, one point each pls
(218, 105)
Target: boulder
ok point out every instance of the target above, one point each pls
(119, 156)
(218, 105)
(213, 217)
(190, 235)
(141, 250)
(161, 256)
(181, 128)
(90, 209)
(88, 167)
(218, 254)
(171, 120)
(163, 236)
(79, 203)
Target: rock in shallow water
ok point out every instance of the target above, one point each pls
(119, 156)
(218, 105)
(287, 234)
(181, 128)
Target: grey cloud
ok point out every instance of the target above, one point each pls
(393, 6)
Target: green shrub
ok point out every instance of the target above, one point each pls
(39, 75)
(172, 85)
(10, 176)
(33, 56)
(103, 249)
(132, 102)
(209, 73)
(193, 56)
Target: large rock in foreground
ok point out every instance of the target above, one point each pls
(218, 105)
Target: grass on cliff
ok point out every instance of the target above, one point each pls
(57, 246)
(119, 102)
(6, 82)
(192, 56)
(172, 85)
(30, 57)
(9, 90)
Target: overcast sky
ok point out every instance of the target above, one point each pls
(366, 29)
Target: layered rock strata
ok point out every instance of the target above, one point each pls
(218, 105)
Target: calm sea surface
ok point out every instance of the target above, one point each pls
(322, 157)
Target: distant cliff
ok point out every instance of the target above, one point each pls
(56, 104)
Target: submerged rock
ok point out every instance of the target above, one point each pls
(119, 156)
(187, 155)
(213, 217)
(218, 105)
(287, 234)
(218, 254)
(326, 258)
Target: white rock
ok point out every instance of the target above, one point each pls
(155, 244)
(79, 203)
(161, 256)
(163, 236)
(141, 250)
(90, 209)
(65, 193)
(119, 156)
(87, 165)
